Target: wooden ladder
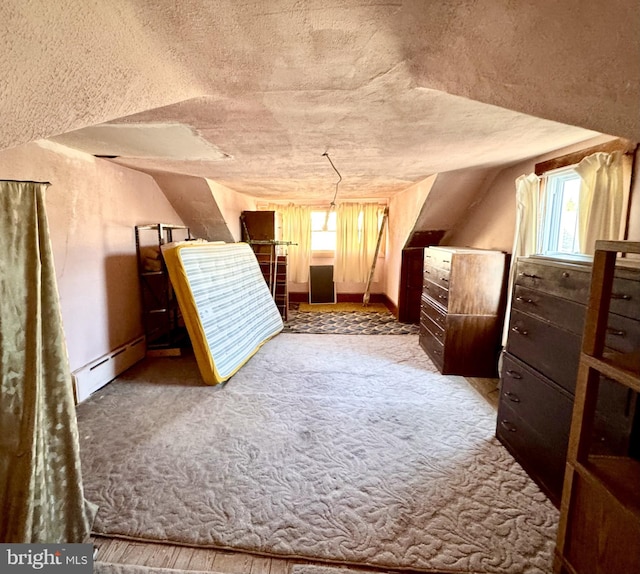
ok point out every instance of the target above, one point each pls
(365, 298)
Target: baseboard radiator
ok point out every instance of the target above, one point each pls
(98, 373)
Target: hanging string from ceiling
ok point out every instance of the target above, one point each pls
(333, 202)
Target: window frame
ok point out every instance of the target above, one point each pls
(553, 196)
(332, 216)
(545, 168)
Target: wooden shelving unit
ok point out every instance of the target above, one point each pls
(599, 530)
(162, 321)
(261, 230)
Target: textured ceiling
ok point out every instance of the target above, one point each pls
(382, 139)
(251, 94)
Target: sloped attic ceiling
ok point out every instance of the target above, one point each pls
(250, 94)
(383, 138)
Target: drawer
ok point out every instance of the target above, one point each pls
(438, 276)
(550, 350)
(625, 297)
(548, 410)
(434, 313)
(570, 281)
(565, 281)
(531, 449)
(433, 347)
(623, 336)
(543, 405)
(438, 258)
(565, 314)
(439, 294)
(434, 328)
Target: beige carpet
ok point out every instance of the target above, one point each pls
(109, 568)
(336, 448)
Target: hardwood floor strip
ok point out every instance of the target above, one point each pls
(261, 565)
(280, 566)
(202, 559)
(163, 556)
(115, 552)
(134, 553)
(233, 562)
(183, 557)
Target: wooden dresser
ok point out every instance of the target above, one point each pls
(540, 365)
(461, 309)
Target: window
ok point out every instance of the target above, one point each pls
(560, 224)
(323, 231)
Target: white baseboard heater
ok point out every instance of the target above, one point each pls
(98, 373)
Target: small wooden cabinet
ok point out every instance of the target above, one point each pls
(461, 309)
(540, 365)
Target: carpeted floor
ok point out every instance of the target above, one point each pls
(313, 569)
(346, 319)
(344, 449)
(108, 568)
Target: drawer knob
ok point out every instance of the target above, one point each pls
(615, 332)
(509, 426)
(439, 335)
(442, 297)
(444, 279)
(519, 331)
(621, 296)
(529, 301)
(530, 275)
(514, 374)
(565, 274)
(512, 397)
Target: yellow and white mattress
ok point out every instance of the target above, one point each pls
(225, 302)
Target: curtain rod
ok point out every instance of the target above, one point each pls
(26, 181)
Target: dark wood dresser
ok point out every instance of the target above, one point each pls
(461, 309)
(540, 365)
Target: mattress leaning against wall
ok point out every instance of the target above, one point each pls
(226, 304)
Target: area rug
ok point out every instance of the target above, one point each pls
(361, 322)
(333, 448)
(343, 306)
(109, 568)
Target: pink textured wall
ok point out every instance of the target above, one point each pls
(92, 208)
(231, 204)
(490, 223)
(404, 209)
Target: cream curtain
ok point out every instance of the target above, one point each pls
(526, 240)
(356, 238)
(296, 227)
(601, 199)
(40, 480)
